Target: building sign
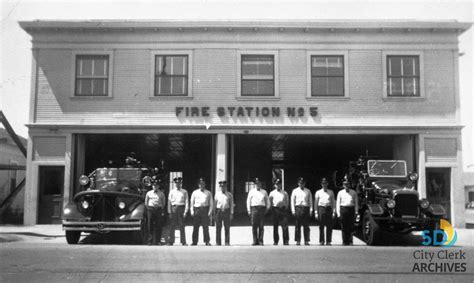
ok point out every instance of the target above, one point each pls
(246, 111)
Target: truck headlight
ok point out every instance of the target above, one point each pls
(413, 177)
(391, 203)
(83, 180)
(424, 203)
(121, 205)
(85, 204)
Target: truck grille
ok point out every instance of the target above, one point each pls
(406, 205)
(104, 209)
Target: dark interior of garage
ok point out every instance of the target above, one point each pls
(189, 154)
(310, 156)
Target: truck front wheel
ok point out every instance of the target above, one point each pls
(370, 230)
(72, 237)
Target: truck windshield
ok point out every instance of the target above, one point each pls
(116, 179)
(387, 168)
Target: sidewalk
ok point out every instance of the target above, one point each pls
(240, 235)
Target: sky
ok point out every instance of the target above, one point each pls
(15, 48)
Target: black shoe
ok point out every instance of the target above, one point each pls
(285, 244)
(193, 244)
(170, 244)
(275, 244)
(208, 244)
(218, 244)
(306, 243)
(298, 243)
(321, 243)
(227, 244)
(254, 244)
(184, 244)
(328, 243)
(149, 244)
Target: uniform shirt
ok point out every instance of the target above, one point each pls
(346, 199)
(301, 197)
(178, 197)
(155, 199)
(257, 198)
(201, 198)
(224, 201)
(278, 198)
(324, 198)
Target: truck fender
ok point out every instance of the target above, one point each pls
(138, 213)
(375, 209)
(70, 212)
(436, 209)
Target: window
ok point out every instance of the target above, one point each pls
(171, 75)
(92, 75)
(258, 75)
(403, 76)
(327, 75)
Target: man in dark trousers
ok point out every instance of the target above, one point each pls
(302, 209)
(155, 208)
(178, 205)
(201, 207)
(224, 204)
(279, 202)
(257, 206)
(347, 207)
(324, 211)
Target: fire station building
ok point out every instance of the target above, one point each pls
(236, 100)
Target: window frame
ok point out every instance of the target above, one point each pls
(74, 60)
(403, 53)
(328, 53)
(167, 52)
(276, 89)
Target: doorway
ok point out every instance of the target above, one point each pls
(51, 187)
(438, 188)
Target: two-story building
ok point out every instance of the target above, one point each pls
(239, 99)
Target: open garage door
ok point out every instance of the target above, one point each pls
(190, 154)
(310, 156)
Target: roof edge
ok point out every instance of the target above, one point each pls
(31, 26)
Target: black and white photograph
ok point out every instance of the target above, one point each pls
(236, 141)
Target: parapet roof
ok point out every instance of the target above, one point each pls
(305, 25)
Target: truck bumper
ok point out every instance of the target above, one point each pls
(97, 226)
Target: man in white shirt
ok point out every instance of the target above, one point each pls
(257, 205)
(178, 205)
(224, 204)
(279, 202)
(155, 204)
(201, 211)
(347, 207)
(302, 209)
(324, 211)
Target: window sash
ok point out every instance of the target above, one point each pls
(92, 75)
(167, 82)
(259, 80)
(327, 82)
(399, 83)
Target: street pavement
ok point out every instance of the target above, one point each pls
(40, 254)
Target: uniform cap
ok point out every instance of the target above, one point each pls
(276, 181)
(201, 181)
(178, 179)
(257, 181)
(222, 182)
(301, 180)
(324, 181)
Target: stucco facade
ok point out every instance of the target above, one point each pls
(426, 128)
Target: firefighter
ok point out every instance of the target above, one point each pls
(347, 207)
